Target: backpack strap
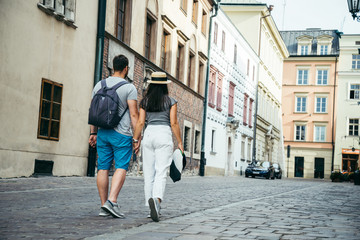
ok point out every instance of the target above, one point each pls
(116, 86)
(103, 83)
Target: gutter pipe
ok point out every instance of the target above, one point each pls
(98, 72)
(333, 120)
(202, 156)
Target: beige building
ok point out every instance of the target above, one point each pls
(47, 74)
(347, 144)
(170, 36)
(308, 97)
(254, 21)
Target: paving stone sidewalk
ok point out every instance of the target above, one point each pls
(194, 208)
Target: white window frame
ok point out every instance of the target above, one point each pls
(197, 155)
(297, 75)
(348, 128)
(304, 41)
(322, 80)
(355, 90)
(213, 141)
(304, 49)
(324, 49)
(296, 101)
(355, 63)
(300, 124)
(188, 125)
(315, 133)
(318, 96)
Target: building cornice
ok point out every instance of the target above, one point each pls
(308, 58)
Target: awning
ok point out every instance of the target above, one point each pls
(350, 151)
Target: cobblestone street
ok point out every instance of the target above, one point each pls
(194, 208)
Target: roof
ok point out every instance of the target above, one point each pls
(241, 2)
(290, 39)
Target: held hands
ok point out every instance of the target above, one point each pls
(136, 145)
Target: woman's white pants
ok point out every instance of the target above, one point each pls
(157, 157)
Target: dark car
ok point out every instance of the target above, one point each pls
(263, 169)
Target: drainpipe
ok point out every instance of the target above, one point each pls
(98, 72)
(202, 156)
(333, 120)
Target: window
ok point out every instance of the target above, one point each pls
(195, 11)
(215, 32)
(354, 127)
(190, 69)
(354, 91)
(179, 60)
(248, 68)
(183, 5)
(303, 75)
(197, 142)
(322, 77)
(235, 53)
(121, 20)
(300, 104)
(356, 61)
(304, 50)
(243, 149)
(50, 110)
(320, 104)
(212, 83)
(250, 112)
(213, 140)
(200, 88)
(203, 23)
(319, 133)
(245, 109)
(324, 49)
(253, 73)
(62, 10)
(149, 24)
(219, 91)
(223, 42)
(231, 99)
(187, 139)
(164, 50)
(300, 132)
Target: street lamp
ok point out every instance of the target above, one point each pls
(354, 6)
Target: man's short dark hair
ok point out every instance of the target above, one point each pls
(120, 62)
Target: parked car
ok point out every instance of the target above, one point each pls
(263, 169)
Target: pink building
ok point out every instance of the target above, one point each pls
(308, 101)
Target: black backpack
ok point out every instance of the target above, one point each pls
(104, 110)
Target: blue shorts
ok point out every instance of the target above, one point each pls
(112, 145)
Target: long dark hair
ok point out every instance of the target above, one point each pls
(156, 98)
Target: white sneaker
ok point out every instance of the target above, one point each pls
(103, 213)
(154, 205)
(113, 209)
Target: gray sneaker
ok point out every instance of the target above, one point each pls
(103, 213)
(113, 209)
(154, 205)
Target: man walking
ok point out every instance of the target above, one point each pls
(115, 144)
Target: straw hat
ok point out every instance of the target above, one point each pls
(159, 78)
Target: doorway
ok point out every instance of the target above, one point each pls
(319, 168)
(299, 167)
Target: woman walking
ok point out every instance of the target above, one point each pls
(160, 112)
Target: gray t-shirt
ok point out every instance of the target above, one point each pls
(160, 118)
(125, 92)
